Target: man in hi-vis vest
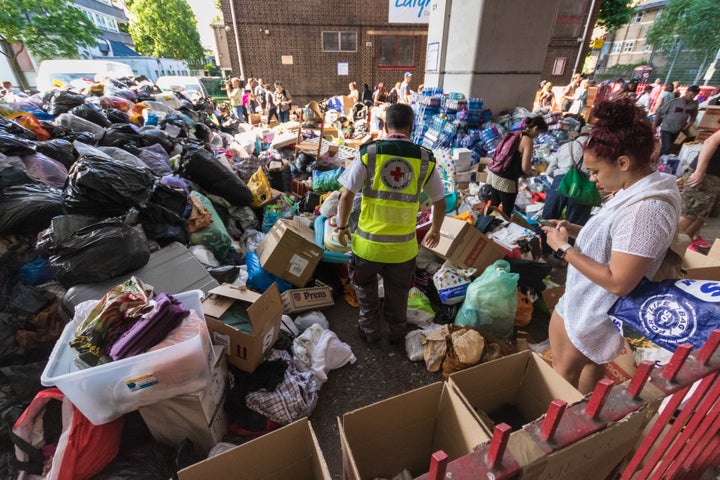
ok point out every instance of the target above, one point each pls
(391, 175)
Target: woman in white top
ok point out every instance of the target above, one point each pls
(623, 243)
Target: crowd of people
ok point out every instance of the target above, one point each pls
(257, 98)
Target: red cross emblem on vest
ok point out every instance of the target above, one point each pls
(397, 173)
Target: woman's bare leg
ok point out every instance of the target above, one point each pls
(568, 361)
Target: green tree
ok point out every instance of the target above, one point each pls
(690, 23)
(614, 14)
(165, 28)
(47, 28)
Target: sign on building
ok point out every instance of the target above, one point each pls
(409, 11)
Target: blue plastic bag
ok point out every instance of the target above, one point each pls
(36, 272)
(260, 279)
(491, 301)
(671, 312)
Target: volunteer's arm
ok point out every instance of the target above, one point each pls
(706, 153)
(343, 215)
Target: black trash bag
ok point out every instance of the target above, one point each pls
(162, 218)
(62, 101)
(300, 163)
(8, 126)
(116, 116)
(106, 188)
(19, 384)
(97, 250)
(64, 133)
(201, 167)
(13, 172)
(531, 273)
(58, 149)
(156, 159)
(123, 136)
(28, 208)
(203, 132)
(281, 179)
(224, 273)
(92, 114)
(178, 122)
(11, 144)
(124, 93)
(155, 136)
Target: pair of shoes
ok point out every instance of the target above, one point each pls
(364, 337)
(700, 242)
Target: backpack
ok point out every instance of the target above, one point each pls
(505, 152)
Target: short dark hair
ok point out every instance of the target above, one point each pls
(693, 89)
(537, 121)
(399, 116)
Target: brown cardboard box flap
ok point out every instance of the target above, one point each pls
(261, 306)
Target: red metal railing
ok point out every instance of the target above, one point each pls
(680, 444)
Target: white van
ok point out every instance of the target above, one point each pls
(55, 73)
(192, 87)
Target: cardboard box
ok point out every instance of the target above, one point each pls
(289, 251)
(465, 245)
(709, 118)
(522, 380)
(291, 452)
(481, 177)
(199, 416)
(623, 367)
(462, 158)
(468, 175)
(384, 438)
(243, 350)
(697, 266)
(593, 457)
(302, 299)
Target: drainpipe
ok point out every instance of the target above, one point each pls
(584, 36)
(237, 40)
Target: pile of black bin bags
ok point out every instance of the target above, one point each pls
(86, 193)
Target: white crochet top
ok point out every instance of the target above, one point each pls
(630, 223)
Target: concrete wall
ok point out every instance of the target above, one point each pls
(495, 49)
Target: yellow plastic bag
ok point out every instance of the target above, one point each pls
(260, 187)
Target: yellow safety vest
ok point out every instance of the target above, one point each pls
(396, 174)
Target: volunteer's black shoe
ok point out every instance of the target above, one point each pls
(363, 336)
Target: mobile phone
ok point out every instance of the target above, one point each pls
(545, 223)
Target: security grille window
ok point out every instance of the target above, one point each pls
(628, 47)
(396, 52)
(339, 41)
(638, 17)
(617, 47)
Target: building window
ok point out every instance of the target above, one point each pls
(396, 52)
(559, 65)
(628, 46)
(339, 41)
(617, 46)
(637, 18)
(647, 48)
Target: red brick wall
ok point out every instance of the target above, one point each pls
(294, 28)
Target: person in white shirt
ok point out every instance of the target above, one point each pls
(561, 162)
(623, 243)
(405, 91)
(643, 100)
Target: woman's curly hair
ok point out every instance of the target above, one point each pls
(621, 128)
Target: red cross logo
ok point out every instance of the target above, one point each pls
(397, 174)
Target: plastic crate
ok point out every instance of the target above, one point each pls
(106, 392)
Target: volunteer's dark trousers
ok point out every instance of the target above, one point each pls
(666, 140)
(397, 278)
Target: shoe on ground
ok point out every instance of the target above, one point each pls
(701, 242)
(364, 336)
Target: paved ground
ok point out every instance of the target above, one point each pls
(381, 371)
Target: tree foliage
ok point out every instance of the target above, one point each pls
(47, 28)
(614, 14)
(165, 28)
(692, 22)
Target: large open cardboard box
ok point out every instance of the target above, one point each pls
(291, 452)
(592, 458)
(697, 266)
(522, 380)
(465, 245)
(264, 310)
(289, 251)
(384, 438)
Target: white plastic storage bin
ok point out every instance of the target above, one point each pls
(105, 392)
